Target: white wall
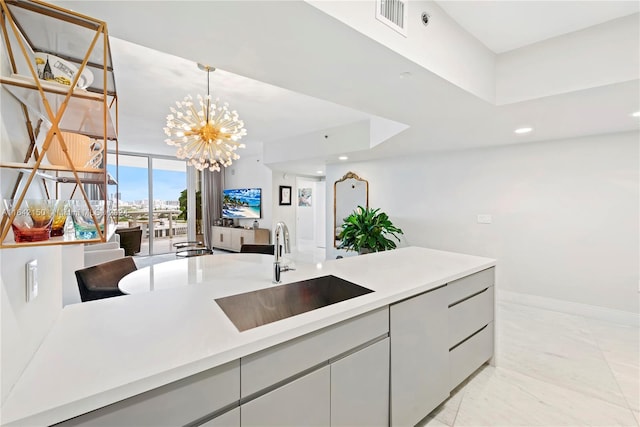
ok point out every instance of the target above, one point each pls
(285, 213)
(565, 213)
(24, 325)
(310, 220)
(73, 259)
(443, 47)
(250, 171)
(305, 214)
(320, 208)
(600, 55)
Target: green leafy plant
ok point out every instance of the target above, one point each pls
(182, 200)
(366, 230)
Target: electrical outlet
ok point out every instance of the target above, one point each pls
(485, 219)
(32, 280)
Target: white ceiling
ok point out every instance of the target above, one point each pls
(507, 25)
(334, 75)
(149, 82)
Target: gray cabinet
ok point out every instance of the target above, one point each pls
(471, 328)
(351, 391)
(336, 376)
(469, 355)
(276, 364)
(177, 403)
(419, 356)
(228, 419)
(302, 402)
(360, 388)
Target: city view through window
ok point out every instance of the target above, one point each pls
(169, 200)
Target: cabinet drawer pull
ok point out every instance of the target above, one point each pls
(469, 337)
(469, 297)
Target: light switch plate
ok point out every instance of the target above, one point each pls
(32, 280)
(485, 219)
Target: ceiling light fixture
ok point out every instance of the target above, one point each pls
(343, 158)
(207, 137)
(521, 131)
(320, 172)
(636, 114)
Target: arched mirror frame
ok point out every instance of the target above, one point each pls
(344, 179)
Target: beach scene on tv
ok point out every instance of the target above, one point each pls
(242, 203)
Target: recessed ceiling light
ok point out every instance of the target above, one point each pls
(523, 130)
(343, 158)
(320, 172)
(405, 75)
(636, 114)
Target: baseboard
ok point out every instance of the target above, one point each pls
(590, 311)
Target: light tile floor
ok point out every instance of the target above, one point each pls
(553, 369)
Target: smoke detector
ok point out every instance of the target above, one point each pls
(425, 18)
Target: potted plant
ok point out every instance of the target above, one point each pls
(367, 230)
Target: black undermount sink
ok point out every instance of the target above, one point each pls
(263, 306)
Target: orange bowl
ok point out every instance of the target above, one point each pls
(78, 147)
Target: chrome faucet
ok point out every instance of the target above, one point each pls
(280, 231)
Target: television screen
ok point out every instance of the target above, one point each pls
(242, 203)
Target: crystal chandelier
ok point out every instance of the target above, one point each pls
(207, 135)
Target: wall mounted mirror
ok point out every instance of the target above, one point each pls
(349, 192)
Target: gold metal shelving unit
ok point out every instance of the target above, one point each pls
(30, 27)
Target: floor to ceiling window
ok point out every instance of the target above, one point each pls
(152, 194)
(169, 187)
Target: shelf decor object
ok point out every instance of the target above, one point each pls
(31, 219)
(206, 135)
(61, 78)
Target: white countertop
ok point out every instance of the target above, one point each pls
(104, 351)
(229, 273)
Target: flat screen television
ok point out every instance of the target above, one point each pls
(242, 203)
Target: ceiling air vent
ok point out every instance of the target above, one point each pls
(393, 13)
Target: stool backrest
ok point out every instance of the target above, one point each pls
(101, 280)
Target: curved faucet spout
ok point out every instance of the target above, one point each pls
(281, 232)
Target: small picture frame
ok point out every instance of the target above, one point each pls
(304, 197)
(285, 196)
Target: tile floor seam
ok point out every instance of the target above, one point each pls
(453, 423)
(507, 371)
(613, 374)
(620, 394)
(608, 363)
(572, 389)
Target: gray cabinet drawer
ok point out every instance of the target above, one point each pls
(177, 403)
(469, 285)
(303, 402)
(470, 355)
(468, 316)
(270, 366)
(360, 388)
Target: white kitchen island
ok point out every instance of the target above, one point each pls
(177, 345)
